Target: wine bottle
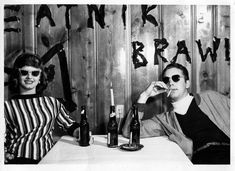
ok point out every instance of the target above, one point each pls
(84, 128)
(134, 127)
(112, 129)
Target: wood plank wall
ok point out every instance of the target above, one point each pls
(96, 57)
(12, 42)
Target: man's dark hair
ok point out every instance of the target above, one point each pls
(27, 59)
(178, 66)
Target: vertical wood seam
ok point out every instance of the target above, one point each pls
(214, 33)
(95, 32)
(160, 32)
(35, 31)
(128, 84)
(23, 28)
(193, 30)
(160, 36)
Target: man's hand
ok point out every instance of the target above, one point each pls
(155, 88)
(185, 144)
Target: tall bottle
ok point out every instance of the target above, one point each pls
(84, 128)
(135, 127)
(112, 129)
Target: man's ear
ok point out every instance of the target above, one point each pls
(187, 83)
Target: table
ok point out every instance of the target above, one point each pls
(157, 151)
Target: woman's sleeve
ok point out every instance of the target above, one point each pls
(9, 128)
(64, 120)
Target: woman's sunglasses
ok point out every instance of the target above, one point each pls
(175, 78)
(33, 73)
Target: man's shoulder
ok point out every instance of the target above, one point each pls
(209, 95)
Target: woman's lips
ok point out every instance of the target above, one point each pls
(28, 82)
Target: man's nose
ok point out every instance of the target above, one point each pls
(171, 82)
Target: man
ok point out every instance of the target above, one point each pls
(199, 124)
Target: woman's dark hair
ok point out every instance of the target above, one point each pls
(27, 59)
(178, 66)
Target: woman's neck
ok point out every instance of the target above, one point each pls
(27, 92)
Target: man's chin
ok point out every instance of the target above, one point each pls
(173, 98)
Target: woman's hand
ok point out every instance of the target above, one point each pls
(8, 156)
(76, 132)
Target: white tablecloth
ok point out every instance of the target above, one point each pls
(157, 151)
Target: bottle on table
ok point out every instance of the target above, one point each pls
(112, 129)
(84, 128)
(134, 127)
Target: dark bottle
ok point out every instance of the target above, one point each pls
(112, 129)
(84, 128)
(135, 127)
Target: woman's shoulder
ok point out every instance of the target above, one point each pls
(34, 99)
(51, 98)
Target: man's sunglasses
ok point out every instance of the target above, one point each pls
(33, 73)
(175, 78)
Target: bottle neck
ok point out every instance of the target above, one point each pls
(83, 116)
(135, 113)
(112, 112)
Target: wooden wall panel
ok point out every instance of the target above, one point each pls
(110, 56)
(12, 42)
(55, 35)
(176, 26)
(141, 77)
(83, 63)
(223, 31)
(28, 21)
(205, 32)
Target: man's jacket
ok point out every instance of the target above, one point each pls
(215, 105)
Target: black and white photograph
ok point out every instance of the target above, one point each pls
(117, 85)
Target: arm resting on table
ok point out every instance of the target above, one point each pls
(148, 128)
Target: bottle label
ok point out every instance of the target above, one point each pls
(108, 138)
(82, 112)
(79, 128)
(112, 114)
(134, 138)
(130, 140)
(84, 135)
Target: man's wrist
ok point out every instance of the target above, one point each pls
(143, 98)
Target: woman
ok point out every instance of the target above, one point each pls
(30, 116)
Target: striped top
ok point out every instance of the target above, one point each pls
(29, 124)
